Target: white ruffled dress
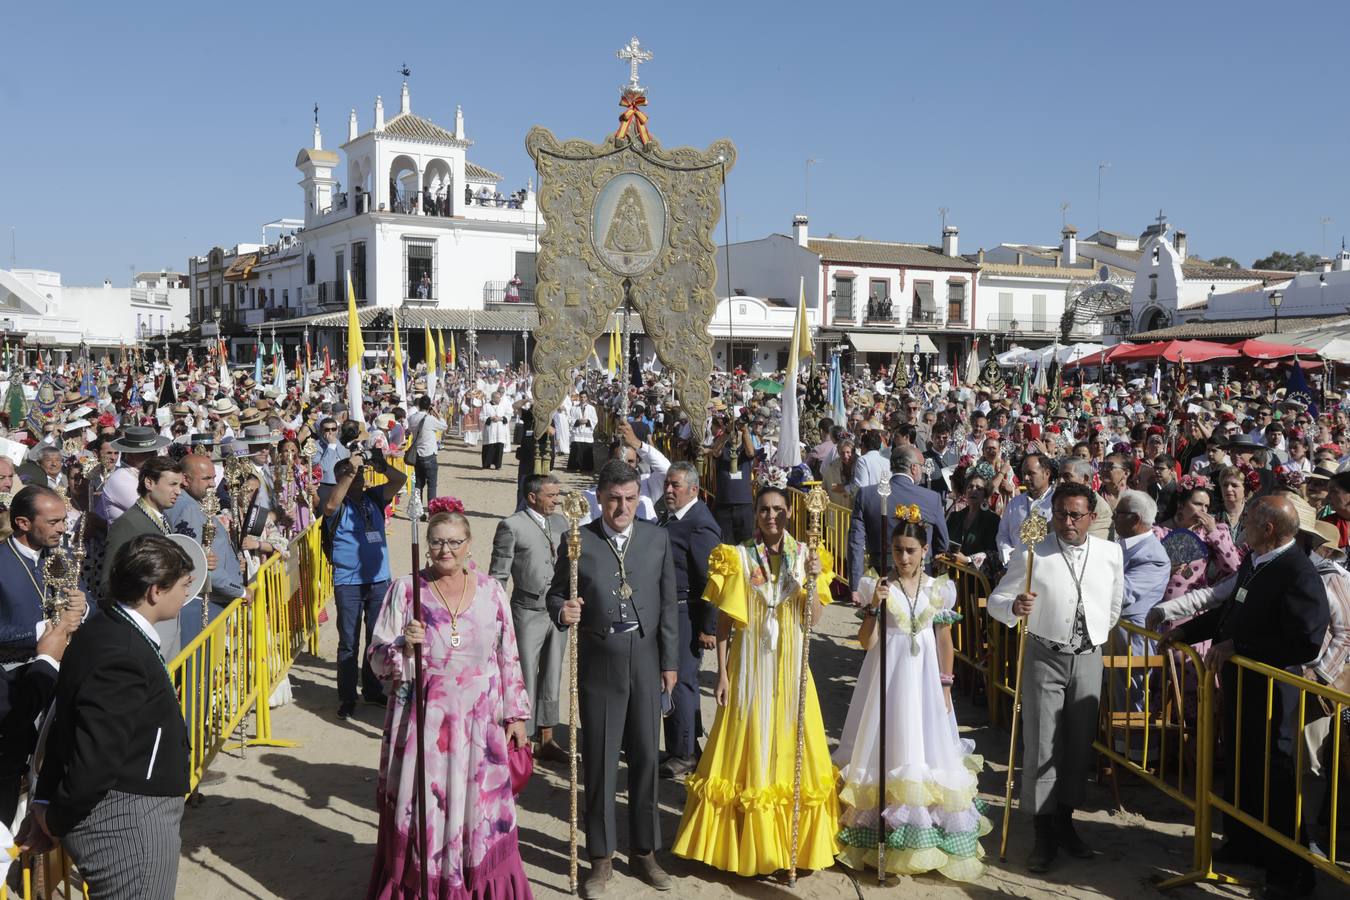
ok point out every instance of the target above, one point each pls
(932, 811)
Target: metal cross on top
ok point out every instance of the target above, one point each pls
(635, 56)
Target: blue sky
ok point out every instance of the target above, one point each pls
(139, 134)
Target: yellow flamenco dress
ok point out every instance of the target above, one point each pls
(738, 815)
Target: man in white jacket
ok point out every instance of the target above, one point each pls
(1077, 589)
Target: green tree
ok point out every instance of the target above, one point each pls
(1226, 261)
(1288, 262)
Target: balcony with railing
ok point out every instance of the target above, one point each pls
(503, 292)
(321, 293)
(1008, 322)
(924, 317)
(881, 311)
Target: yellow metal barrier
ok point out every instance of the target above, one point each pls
(970, 635)
(217, 683)
(834, 528)
(1266, 680)
(231, 667)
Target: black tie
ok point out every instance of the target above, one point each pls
(664, 519)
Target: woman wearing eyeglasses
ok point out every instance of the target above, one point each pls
(475, 706)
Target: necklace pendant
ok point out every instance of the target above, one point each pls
(625, 592)
(454, 639)
(913, 645)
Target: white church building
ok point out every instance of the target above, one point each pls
(418, 226)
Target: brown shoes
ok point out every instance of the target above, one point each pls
(597, 880)
(644, 866)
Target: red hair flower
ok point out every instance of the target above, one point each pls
(445, 505)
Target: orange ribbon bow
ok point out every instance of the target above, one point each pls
(632, 112)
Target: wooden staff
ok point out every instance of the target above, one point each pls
(817, 501)
(574, 508)
(418, 698)
(1032, 532)
(879, 628)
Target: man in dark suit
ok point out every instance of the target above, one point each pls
(24, 694)
(115, 770)
(694, 534)
(864, 534)
(525, 550)
(1278, 615)
(628, 656)
(160, 481)
(38, 516)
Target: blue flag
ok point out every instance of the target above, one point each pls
(1296, 388)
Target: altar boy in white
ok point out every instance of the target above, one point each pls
(1077, 587)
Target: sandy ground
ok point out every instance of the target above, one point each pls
(300, 822)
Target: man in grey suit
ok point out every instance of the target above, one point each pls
(525, 549)
(629, 655)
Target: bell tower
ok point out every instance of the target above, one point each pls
(316, 165)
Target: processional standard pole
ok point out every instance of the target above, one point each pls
(1032, 532)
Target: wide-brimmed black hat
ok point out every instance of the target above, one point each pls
(139, 439)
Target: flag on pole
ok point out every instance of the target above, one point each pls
(356, 352)
(168, 391)
(257, 359)
(400, 383)
(613, 353)
(452, 350)
(837, 392)
(327, 364)
(278, 368)
(789, 436)
(430, 350)
(441, 358)
(973, 363)
(1296, 389)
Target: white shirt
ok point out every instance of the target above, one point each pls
(678, 514)
(142, 623)
(538, 520)
(1261, 560)
(1008, 540)
(870, 468)
(620, 538)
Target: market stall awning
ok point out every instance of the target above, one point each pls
(1175, 351)
(1253, 348)
(873, 342)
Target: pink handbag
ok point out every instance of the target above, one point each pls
(520, 762)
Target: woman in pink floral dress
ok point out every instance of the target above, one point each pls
(476, 704)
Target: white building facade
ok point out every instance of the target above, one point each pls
(418, 226)
(38, 312)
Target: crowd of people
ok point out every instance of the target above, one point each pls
(1217, 516)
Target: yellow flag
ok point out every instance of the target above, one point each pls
(452, 349)
(431, 355)
(801, 335)
(440, 349)
(398, 363)
(613, 352)
(356, 351)
(356, 348)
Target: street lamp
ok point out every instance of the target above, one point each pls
(1012, 333)
(1276, 298)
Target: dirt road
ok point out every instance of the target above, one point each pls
(300, 823)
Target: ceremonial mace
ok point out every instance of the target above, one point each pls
(574, 508)
(210, 509)
(419, 701)
(1032, 532)
(879, 627)
(817, 501)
